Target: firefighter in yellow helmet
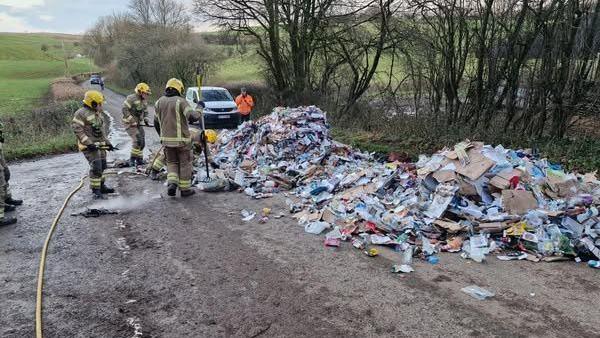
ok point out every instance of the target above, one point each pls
(158, 159)
(135, 112)
(88, 125)
(172, 114)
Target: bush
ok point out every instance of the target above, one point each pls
(40, 132)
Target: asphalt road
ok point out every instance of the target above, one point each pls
(172, 267)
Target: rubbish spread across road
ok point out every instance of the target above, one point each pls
(473, 199)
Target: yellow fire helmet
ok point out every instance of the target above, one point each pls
(175, 84)
(93, 98)
(211, 135)
(142, 88)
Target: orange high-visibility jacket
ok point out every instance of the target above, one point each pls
(244, 104)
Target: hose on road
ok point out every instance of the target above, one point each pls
(40, 279)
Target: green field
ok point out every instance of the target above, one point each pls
(26, 71)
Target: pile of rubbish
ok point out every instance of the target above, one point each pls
(473, 199)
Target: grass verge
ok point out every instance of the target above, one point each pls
(42, 131)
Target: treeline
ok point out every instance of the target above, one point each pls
(151, 42)
(520, 67)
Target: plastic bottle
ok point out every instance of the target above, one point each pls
(594, 264)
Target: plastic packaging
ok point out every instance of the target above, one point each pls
(316, 227)
(477, 292)
(594, 264)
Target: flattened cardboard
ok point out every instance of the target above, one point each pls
(476, 168)
(449, 226)
(444, 176)
(518, 202)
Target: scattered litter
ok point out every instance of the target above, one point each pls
(371, 252)
(247, 215)
(396, 268)
(316, 227)
(433, 260)
(513, 256)
(594, 264)
(332, 242)
(472, 198)
(95, 212)
(477, 292)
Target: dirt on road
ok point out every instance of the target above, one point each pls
(172, 267)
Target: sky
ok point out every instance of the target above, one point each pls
(57, 16)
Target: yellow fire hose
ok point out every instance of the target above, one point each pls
(40, 280)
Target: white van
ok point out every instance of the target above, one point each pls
(220, 110)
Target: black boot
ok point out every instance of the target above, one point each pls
(106, 190)
(8, 221)
(172, 189)
(97, 194)
(154, 175)
(187, 192)
(9, 207)
(132, 162)
(140, 161)
(12, 201)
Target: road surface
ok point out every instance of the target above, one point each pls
(171, 267)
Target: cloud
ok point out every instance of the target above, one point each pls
(22, 3)
(46, 18)
(13, 24)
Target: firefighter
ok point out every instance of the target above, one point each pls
(7, 203)
(88, 126)
(158, 159)
(172, 113)
(135, 112)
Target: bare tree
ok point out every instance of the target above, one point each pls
(141, 10)
(293, 37)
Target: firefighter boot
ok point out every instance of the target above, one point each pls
(97, 194)
(171, 189)
(9, 207)
(7, 221)
(106, 190)
(132, 162)
(187, 192)
(12, 201)
(154, 175)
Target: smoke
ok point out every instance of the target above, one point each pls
(124, 203)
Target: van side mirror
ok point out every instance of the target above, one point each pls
(201, 104)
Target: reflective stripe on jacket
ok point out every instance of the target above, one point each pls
(135, 110)
(244, 104)
(88, 126)
(173, 114)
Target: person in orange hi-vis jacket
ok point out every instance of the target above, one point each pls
(245, 104)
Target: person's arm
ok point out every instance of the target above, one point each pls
(145, 114)
(250, 101)
(78, 124)
(157, 117)
(192, 115)
(127, 115)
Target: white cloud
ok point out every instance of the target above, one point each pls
(46, 18)
(13, 24)
(22, 3)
